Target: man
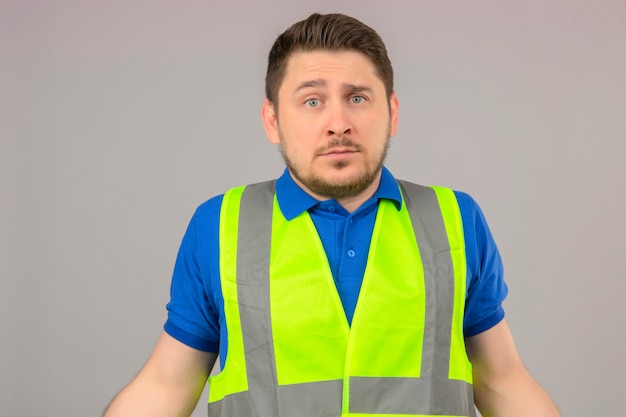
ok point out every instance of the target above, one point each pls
(335, 290)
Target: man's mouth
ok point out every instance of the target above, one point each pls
(339, 151)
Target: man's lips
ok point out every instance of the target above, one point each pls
(338, 151)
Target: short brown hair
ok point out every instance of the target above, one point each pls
(333, 32)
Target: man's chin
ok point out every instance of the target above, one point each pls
(339, 188)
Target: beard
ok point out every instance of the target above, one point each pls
(338, 190)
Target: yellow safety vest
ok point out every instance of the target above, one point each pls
(291, 352)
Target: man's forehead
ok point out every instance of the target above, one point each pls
(312, 68)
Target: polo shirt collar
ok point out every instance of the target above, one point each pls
(293, 200)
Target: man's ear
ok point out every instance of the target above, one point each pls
(394, 108)
(270, 121)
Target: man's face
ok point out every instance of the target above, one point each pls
(333, 122)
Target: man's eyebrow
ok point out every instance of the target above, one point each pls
(355, 88)
(311, 83)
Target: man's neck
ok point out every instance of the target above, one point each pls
(351, 204)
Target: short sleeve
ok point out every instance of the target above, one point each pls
(193, 316)
(486, 288)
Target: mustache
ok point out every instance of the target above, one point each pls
(342, 142)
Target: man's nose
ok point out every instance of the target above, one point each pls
(339, 121)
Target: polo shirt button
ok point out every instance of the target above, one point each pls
(351, 253)
(331, 209)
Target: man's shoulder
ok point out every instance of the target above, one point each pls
(467, 204)
(211, 207)
(211, 203)
(208, 211)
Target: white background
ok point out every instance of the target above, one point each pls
(117, 118)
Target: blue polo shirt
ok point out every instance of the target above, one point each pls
(196, 308)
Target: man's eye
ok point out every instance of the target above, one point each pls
(312, 102)
(357, 99)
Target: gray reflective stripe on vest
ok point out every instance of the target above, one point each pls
(321, 399)
(411, 396)
(432, 394)
(253, 286)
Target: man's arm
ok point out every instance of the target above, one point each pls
(169, 384)
(502, 385)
